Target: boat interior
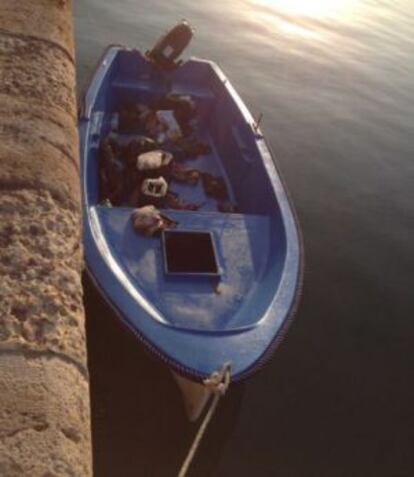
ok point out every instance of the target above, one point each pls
(245, 250)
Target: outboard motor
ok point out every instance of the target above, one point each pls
(170, 46)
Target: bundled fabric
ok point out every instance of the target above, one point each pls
(148, 220)
(153, 160)
(172, 201)
(182, 106)
(151, 125)
(131, 117)
(155, 188)
(189, 147)
(183, 174)
(137, 146)
(171, 129)
(111, 172)
(214, 186)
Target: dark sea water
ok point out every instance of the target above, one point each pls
(335, 82)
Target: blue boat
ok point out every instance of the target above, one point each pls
(236, 307)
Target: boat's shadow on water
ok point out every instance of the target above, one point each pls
(138, 421)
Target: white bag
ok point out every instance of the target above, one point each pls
(155, 187)
(153, 160)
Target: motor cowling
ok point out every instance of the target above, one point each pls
(170, 46)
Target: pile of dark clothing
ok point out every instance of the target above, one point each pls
(136, 172)
(168, 120)
(140, 175)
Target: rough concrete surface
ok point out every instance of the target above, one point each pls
(47, 20)
(44, 397)
(40, 268)
(39, 149)
(45, 403)
(33, 69)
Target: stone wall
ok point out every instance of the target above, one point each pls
(44, 397)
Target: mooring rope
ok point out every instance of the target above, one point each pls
(218, 383)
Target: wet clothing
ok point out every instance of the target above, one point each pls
(136, 172)
(172, 201)
(214, 186)
(111, 173)
(153, 160)
(183, 174)
(149, 221)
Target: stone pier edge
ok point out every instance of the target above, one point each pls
(44, 392)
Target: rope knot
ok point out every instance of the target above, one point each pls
(219, 381)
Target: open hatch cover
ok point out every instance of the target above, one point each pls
(189, 252)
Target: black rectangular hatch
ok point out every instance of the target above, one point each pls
(189, 252)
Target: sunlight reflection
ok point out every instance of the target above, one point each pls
(310, 8)
(292, 29)
(303, 19)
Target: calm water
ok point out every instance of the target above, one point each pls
(335, 82)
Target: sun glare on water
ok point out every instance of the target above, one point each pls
(295, 18)
(309, 8)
